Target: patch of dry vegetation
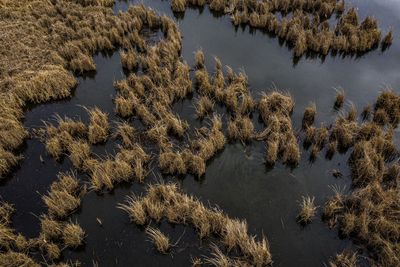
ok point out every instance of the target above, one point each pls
(307, 210)
(166, 200)
(368, 214)
(275, 109)
(291, 22)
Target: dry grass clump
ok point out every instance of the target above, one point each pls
(339, 100)
(79, 153)
(165, 200)
(344, 259)
(160, 240)
(73, 235)
(178, 5)
(172, 163)
(241, 127)
(195, 164)
(199, 59)
(307, 210)
(215, 141)
(8, 160)
(275, 109)
(129, 60)
(63, 197)
(387, 40)
(309, 116)
(126, 133)
(204, 106)
(368, 215)
(389, 103)
(344, 132)
(16, 259)
(98, 127)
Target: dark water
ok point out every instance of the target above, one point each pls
(236, 180)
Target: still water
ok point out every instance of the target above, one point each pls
(236, 179)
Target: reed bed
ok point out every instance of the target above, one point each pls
(166, 200)
(309, 116)
(291, 22)
(366, 213)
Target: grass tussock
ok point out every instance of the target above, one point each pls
(63, 197)
(127, 134)
(73, 235)
(98, 126)
(307, 210)
(309, 116)
(241, 128)
(275, 109)
(16, 259)
(178, 5)
(166, 200)
(339, 100)
(344, 259)
(204, 106)
(160, 240)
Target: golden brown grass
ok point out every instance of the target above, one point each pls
(61, 203)
(129, 60)
(98, 127)
(307, 210)
(127, 134)
(178, 5)
(165, 200)
(344, 259)
(160, 240)
(172, 163)
(79, 153)
(204, 106)
(16, 259)
(339, 100)
(309, 115)
(73, 235)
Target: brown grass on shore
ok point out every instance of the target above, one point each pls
(389, 103)
(165, 200)
(160, 240)
(172, 163)
(129, 60)
(136, 210)
(98, 127)
(199, 59)
(178, 5)
(8, 160)
(79, 153)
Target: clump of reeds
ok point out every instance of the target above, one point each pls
(339, 100)
(129, 60)
(178, 5)
(204, 106)
(309, 115)
(387, 40)
(165, 200)
(7, 161)
(63, 198)
(344, 259)
(172, 163)
(366, 113)
(307, 210)
(73, 235)
(98, 127)
(16, 259)
(389, 103)
(160, 240)
(241, 127)
(79, 153)
(199, 59)
(126, 133)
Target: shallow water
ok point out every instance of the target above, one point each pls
(236, 179)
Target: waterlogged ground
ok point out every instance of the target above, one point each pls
(236, 180)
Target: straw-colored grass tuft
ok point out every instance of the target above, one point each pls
(98, 127)
(160, 240)
(73, 235)
(204, 106)
(309, 115)
(339, 100)
(344, 259)
(307, 210)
